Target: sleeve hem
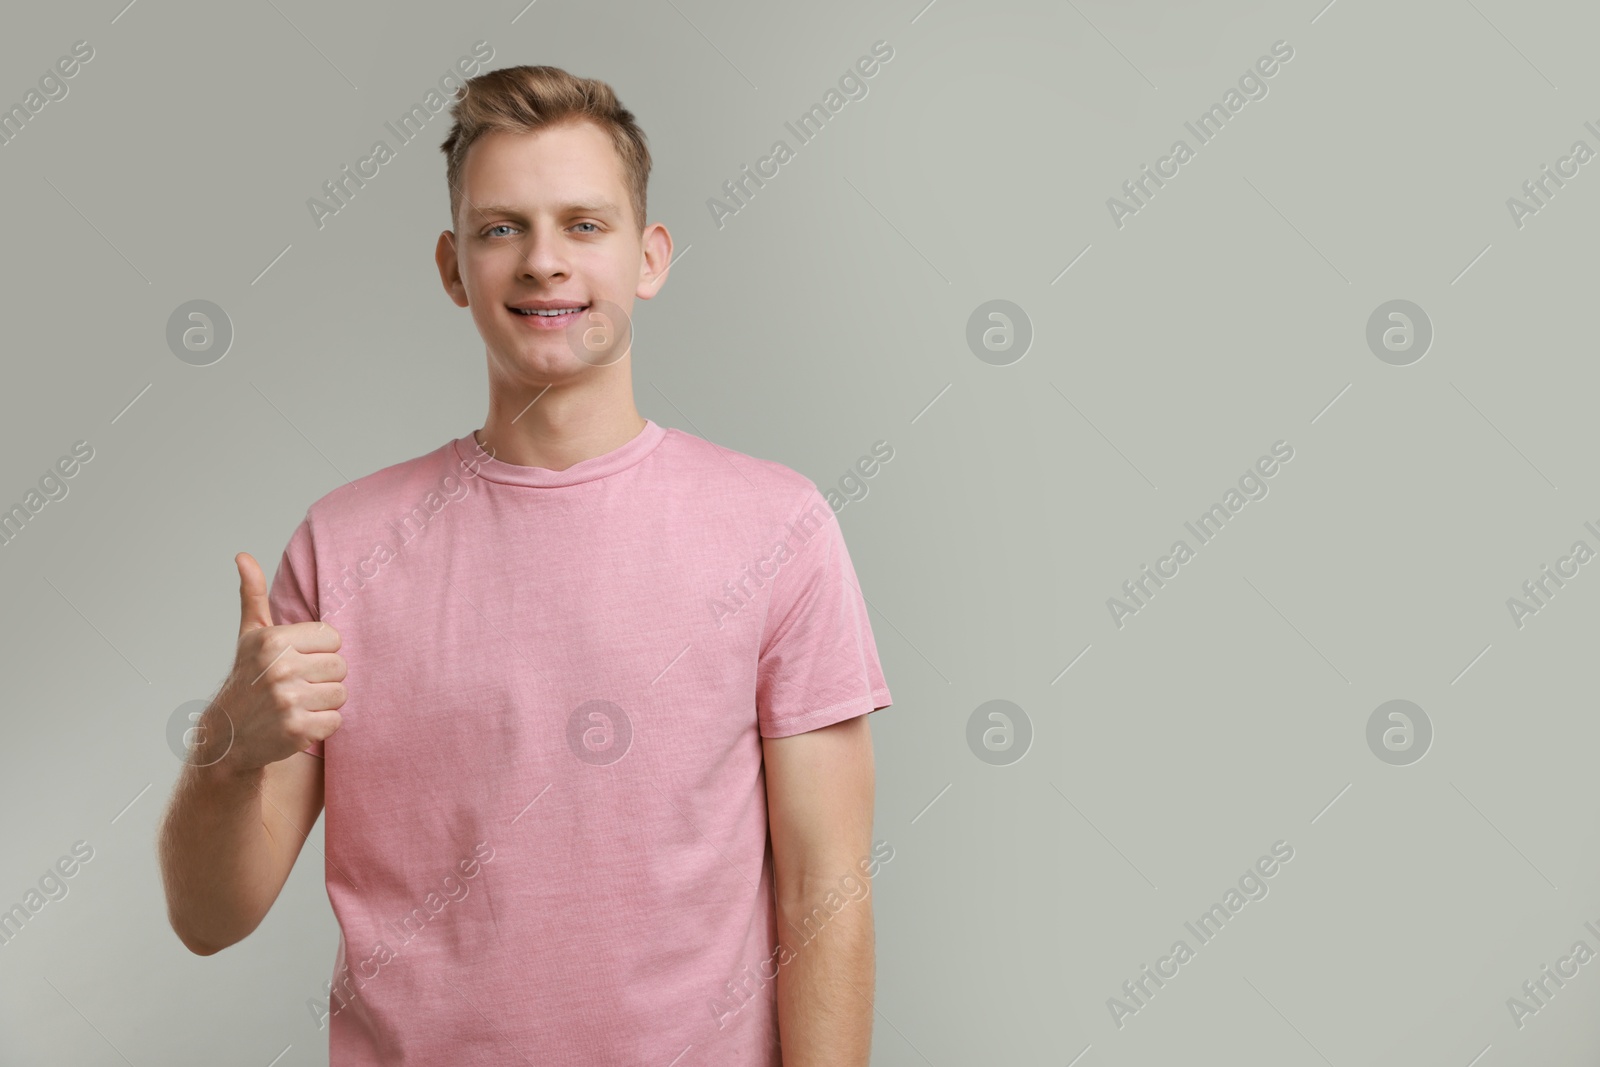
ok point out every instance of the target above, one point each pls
(815, 720)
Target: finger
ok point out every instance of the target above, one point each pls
(312, 637)
(325, 724)
(254, 611)
(323, 667)
(324, 696)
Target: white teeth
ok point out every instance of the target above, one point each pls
(552, 313)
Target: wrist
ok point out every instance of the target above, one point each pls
(216, 755)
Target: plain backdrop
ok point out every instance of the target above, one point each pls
(1146, 759)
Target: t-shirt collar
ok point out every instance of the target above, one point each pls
(588, 470)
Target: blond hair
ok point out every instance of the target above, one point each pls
(523, 99)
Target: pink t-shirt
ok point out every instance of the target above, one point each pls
(546, 820)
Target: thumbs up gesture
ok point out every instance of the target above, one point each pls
(286, 684)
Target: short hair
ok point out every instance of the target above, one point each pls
(523, 99)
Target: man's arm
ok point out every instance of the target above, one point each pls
(249, 793)
(228, 842)
(820, 790)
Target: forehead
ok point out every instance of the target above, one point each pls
(570, 163)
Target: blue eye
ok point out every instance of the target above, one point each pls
(500, 226)
(589, 224)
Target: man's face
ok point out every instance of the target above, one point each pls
(545, 219)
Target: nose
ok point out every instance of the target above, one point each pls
(542, 258)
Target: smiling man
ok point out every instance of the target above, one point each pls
(591, 730)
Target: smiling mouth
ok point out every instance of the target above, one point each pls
(551, 319)
(552, 313)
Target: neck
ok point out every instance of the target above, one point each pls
(555, 435)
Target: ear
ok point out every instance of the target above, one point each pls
(656, 255)
(444, 254)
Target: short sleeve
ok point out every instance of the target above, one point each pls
(293, 596)
(818, 662)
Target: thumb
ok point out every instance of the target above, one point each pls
(254, 611)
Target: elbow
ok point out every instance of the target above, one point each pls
(199, 948)
(191, 942)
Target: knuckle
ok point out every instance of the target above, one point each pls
(265, 662)
(280, 696)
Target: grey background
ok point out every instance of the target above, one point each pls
(830, 313)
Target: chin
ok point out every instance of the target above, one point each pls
(538, 368)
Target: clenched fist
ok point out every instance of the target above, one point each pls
(285, 686)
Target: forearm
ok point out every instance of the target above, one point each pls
(216, 857)
(825, 990)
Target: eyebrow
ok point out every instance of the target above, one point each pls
(602, 207)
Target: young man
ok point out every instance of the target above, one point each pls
(565, 683)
